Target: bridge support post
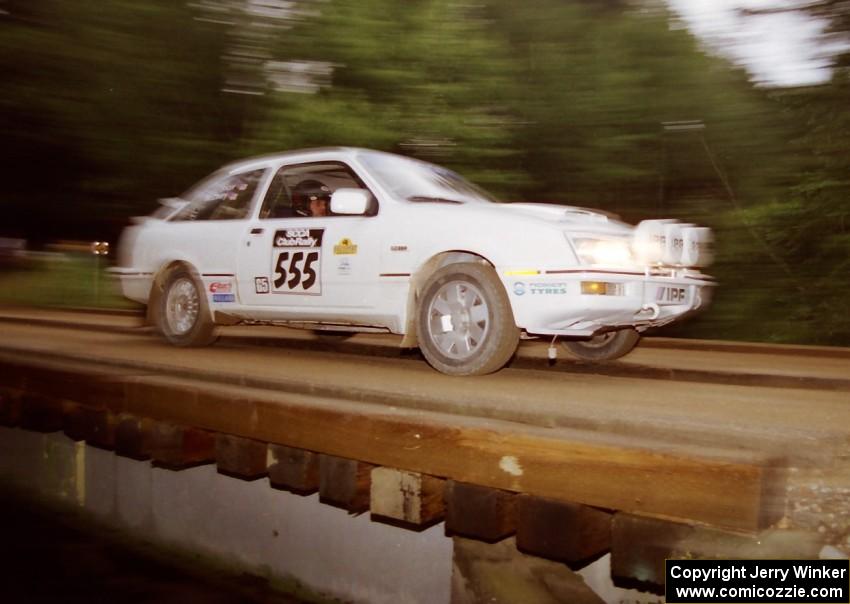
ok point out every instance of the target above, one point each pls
(10, 408)
(345, 483)
(293, 469)
(133, 437)
(408, 497)
(480, 512)
(178, 447)
(560, 530)
(241, 457)
(41, 413)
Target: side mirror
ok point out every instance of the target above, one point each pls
(350, 201)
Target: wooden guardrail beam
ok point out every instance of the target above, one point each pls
(738, 491)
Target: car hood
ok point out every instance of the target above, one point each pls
(567, 217)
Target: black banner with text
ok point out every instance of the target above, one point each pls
(811, 581)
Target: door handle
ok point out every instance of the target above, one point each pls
(256, 231)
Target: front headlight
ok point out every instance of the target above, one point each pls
(607, 251)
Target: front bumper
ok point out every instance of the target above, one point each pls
(552, 303)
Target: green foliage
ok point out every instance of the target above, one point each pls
(424, 78)
(71, 280)
(107, 102)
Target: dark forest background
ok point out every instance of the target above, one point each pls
(107, 106)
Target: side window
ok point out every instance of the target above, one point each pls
(222, 197)
(306, 189)
(277, 203)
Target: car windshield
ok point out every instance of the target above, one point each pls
(420, 181)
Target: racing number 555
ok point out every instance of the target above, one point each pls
(297, 261)
(300, 273)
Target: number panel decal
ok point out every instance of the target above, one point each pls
(297, 261)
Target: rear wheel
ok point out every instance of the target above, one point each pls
(465, 324)
(183, 317)
(604, 347)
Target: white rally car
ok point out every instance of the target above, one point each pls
(356, 240)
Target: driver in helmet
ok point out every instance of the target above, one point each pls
(311, 198)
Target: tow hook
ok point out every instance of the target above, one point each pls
(653, 308)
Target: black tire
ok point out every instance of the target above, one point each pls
(464, 321)
(182, 312)
(604, 347)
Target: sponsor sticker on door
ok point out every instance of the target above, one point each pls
(345, 247)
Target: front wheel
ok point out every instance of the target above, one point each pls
(465, 324)
(182, 314)
(604, 347)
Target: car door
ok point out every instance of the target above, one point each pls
(305, 265)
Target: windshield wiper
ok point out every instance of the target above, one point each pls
(426, 199)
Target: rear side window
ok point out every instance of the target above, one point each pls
(222, 197)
